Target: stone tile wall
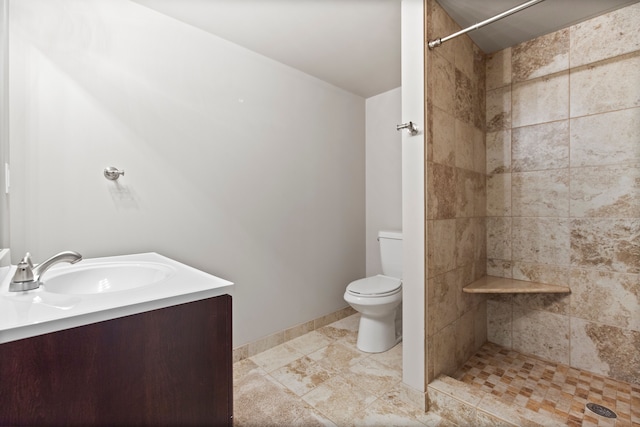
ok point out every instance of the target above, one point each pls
(563, 193)
(456, 195)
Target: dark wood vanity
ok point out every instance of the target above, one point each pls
(166, 367)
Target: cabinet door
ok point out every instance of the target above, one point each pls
(165, 367)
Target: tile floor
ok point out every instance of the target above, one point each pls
(322, 379)
(552, 389)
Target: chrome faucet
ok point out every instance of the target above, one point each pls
(27, 276)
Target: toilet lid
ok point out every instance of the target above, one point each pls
(379, 285)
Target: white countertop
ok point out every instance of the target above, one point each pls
(37, 312)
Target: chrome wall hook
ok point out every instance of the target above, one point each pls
(410, 127)
(112, 173)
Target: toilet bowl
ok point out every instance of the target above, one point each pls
(378, 297)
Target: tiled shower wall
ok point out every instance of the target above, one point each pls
(456, 196)
(563, 193)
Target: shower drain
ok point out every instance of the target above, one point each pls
(601, 410)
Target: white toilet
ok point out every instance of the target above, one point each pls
(378, 297)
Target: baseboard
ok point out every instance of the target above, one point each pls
(263, 344)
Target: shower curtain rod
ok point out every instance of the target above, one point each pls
(437, 42)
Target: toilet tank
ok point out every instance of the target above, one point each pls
(391, 253)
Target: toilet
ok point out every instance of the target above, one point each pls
(378, 297)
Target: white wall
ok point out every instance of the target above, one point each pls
(4, 128)
(414, 354)
(235, 164)
(383, 171)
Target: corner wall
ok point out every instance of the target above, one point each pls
(563, 193)
(455, 194)
(4, 123)
(383, 160)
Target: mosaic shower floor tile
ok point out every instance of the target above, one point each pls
(552, 389)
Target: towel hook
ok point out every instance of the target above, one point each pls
(410, 127)
(112, 173)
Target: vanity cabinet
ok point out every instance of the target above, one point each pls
(166, 367)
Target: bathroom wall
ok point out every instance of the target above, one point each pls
(456, 197)
(234, 163)
(383, 161)
(4, 128)
(563, 193)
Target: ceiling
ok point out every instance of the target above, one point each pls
(355, 44)
(352, 44)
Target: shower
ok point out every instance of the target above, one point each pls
(526, 183)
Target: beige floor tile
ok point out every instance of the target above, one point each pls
(383, 413)
(308, 343)
(393, 397)
(325, 370)
(335, 384)
(276, 357)
(372, 376)
(261, 401)
(245, 367)
(302, 375)
(338, 356)
(350, 323)
(391, 358)
(343, 329)
(338, 399)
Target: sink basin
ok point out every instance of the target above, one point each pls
(100, 289)
(104, 278)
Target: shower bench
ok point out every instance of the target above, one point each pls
(503, 285)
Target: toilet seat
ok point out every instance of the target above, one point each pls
(375, 286)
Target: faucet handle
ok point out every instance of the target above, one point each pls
(27, 259)
(24, 270)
